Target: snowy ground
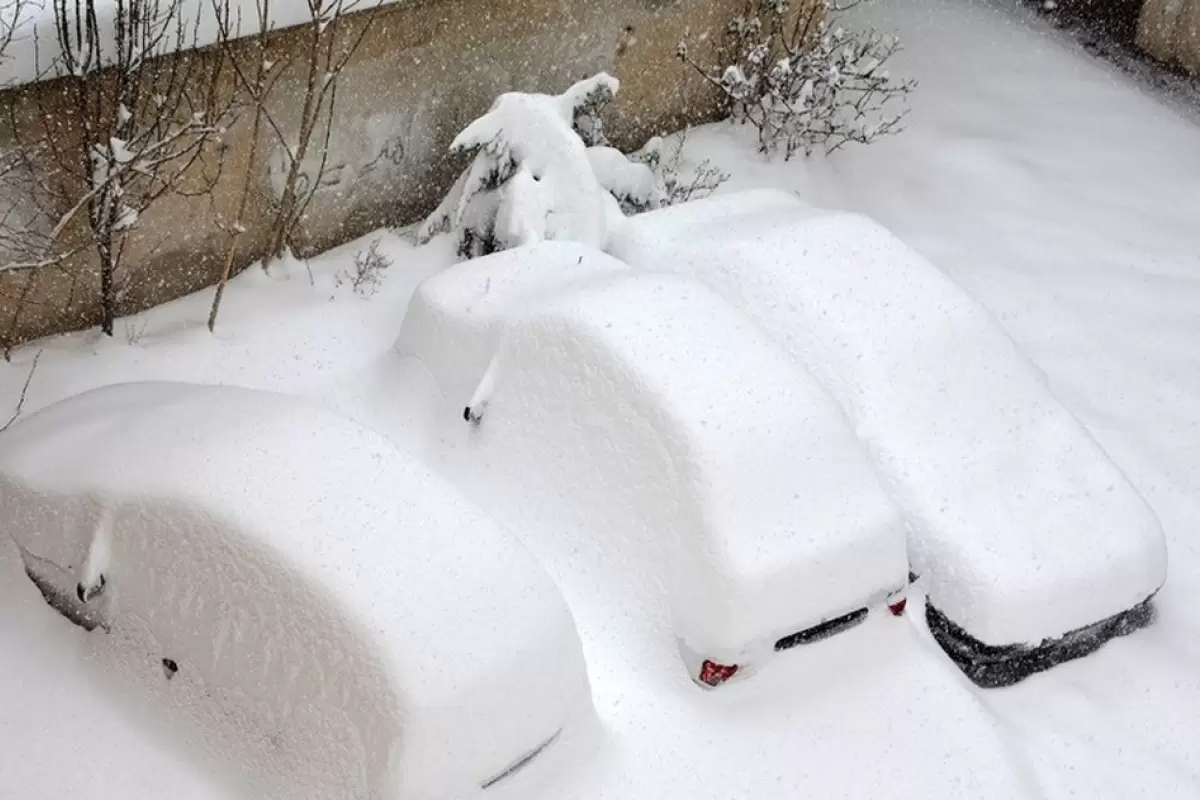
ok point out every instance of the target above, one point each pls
(1047, 184)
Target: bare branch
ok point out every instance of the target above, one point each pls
(24, 390)
(139, 124)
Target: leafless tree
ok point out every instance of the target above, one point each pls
(12, 15)
(129, 127)
(331, 41)
(806, 82)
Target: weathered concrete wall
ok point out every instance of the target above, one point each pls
(424, 70)
(1170, 31)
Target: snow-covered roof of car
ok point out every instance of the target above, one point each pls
(308, 563)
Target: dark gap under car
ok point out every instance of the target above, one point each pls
(521, 762)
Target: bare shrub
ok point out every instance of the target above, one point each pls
(674, 182)
(804, 81)
(366, 274)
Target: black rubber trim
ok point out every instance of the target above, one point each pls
(994, 666)
(521, 762)
(822, 631)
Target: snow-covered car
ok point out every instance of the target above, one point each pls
(648, 430)
(308, 601)
(1033, 545)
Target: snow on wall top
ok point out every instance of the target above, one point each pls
(643, 394)
(1023, 525)
(33, 53)
(301, 565)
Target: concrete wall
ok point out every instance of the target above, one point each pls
(1169, 30)
(424, 70)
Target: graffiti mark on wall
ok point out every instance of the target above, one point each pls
(370, 150)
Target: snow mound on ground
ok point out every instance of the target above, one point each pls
(689, 442)
(456, 318)
(1023, 526)
(341, 621)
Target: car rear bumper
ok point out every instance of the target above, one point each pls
(994, 666)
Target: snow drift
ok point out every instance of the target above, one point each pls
(332, 617)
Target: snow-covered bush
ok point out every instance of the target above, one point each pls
(804, 81)
(542, 169)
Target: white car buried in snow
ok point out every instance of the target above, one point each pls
(319, 608)
(643, 423)
(1034, 546)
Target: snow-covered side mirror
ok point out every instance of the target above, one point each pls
(456, 318)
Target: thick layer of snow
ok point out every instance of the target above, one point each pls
(456, 318)
(1063, 198)
(869, 708)
(294, 566)
(1022, 525)
(662, 422)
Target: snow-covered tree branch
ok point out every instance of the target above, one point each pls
(13, 13)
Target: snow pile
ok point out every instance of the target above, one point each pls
(456, 318)
(277, 575)
(534, 176)
(650, 418)
(1023, 526)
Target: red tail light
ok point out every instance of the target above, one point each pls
(714, 674)
(897, 606)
